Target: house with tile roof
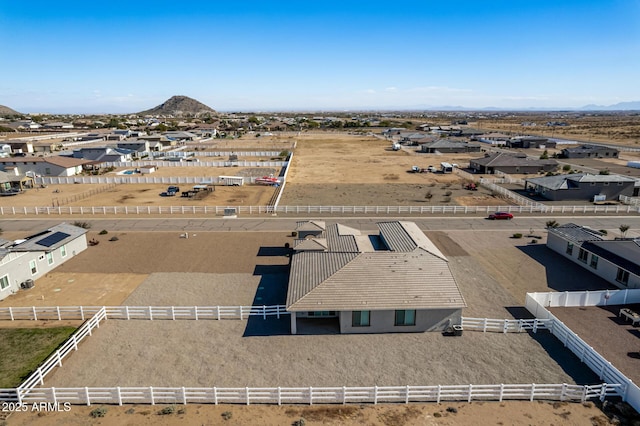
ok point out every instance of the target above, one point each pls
(615, 260)
(395, 281)
(511, 163)
(582, 186)
(55, 165)
(24, 261)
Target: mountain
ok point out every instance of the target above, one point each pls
(4, 110)
(180, 106)
(620, 106)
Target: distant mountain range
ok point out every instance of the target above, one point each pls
(621, 106)
(4, 110)
(180, 106)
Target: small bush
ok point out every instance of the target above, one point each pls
(603, 231)
(114, 238)
(227, 415)
(448, 193)
(98, 412)
(566, 167)
(167, 410)
(452, 410)
(552, 224)
(84, 225)
(517, 235)
(130, 411)
(103, 232)
(436, 414)
(300, 422)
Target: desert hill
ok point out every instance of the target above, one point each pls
(4, 110)
(180, 106)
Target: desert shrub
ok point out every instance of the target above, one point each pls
(300, 422)
(448, 193)
(603, 231)
(103, 232)
(84, 225)
(167, 410)
(517, 235)
(566, 167)
(98, 412)
(227, 415)
(552, 224)
(114, 238)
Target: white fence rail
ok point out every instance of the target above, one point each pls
(309, 210)
(632, 201)
(37, 377)
(218, 153)
(536, 303)
(159, 163)
(505, 325)
(128, 179)
(312, 395)
(60, 313)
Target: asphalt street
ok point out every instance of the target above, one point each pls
(288, 224)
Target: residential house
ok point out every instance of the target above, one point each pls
(617, 260)
(590, 151)
(582, 186)
(136, 145)
(24, 261)
(55, 165)
(103, 154)
(530, 142)
(58, 125)
(511, 163)
(493, 138)
(448, 146)
(396, 281)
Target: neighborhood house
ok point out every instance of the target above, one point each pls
(617, 261)
(23, 261)
(581, 186)
(396, 281)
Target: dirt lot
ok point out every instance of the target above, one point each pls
(143, 194)
(342, 169)
(515, 413)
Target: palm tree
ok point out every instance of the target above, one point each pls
(623, 230)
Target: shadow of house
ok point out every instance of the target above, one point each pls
(562, 274)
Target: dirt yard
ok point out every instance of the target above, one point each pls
(516, 413)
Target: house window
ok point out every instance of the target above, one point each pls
(33, 267)
(405, 317)
(4, 282)
(360, 318)
(570, 249)
(622, 276)
(63, 251)
(50, 258)
(594, 261)
(47, 171)
(583, 255)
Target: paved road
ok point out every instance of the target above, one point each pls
(288, 224)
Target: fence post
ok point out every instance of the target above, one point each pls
(82, 312)
(58, 312)
(119, 395)
(11, 313)
(278, 311)
(150, 313)
(470, 391)
(184, 396)
(533, 390)
(375, 394)
(501, 392)
(344, 395)
(126, 310)
(264, 312)
(310, 395)
(173, 313)
(603, 391)
(438, 396)
(86, 394)
(195, 312)
(563, 392)
(35, 316)
(246, 392)
(279, 395)
(218, 312)
(153, 401)
(215, 395)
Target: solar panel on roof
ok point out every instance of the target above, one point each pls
(52, 239)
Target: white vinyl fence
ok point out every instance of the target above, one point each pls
(311, 210)
(159, 163)
(536, 303)
(632, 201)
(37, 377)
(129, 179)
(312, 395)
(183, 153)
(60, 313)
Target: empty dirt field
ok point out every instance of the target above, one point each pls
(143, 194)
(337, 169)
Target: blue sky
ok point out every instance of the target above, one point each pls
(126, 56)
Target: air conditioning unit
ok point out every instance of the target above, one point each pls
(27, 284)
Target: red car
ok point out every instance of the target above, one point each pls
(501, 215)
